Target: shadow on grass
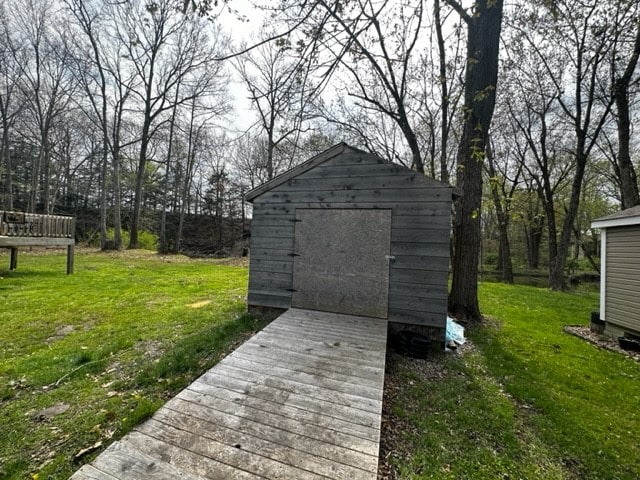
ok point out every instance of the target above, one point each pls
(563, 398)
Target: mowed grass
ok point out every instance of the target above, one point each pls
(112, 342)
(527, 402)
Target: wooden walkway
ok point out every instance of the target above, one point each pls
(302, 399)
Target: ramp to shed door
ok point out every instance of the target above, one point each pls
(300, 400)
(341, 261)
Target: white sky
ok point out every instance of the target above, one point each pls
(241, 31)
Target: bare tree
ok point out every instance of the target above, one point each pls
(95, 75)
(47, 88)
(279, 89)
(165, 48)
(504, 180)
(582, 37)
(11, 57)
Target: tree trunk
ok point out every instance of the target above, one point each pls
(556, 268)
(479, 100)
(191, 157)
(533, 230)
(502, 215)
(444, 95)
(628, 179)
(6, 155)
(140, 174)
(117, 194)
(104, 244)
(627, 173)
(163, 248)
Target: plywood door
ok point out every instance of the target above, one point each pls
(341, 263)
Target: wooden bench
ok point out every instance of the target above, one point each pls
(18, 229)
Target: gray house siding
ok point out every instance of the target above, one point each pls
(346, 178)
(622, 278)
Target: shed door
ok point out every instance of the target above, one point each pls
(341, 263)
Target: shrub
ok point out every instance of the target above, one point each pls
(146, 240)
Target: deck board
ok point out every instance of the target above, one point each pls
(300, 400)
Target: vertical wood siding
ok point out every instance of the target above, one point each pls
(420, 231)
(622, 282)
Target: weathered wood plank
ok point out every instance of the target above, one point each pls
(402, 220)
(241, 400)
(244, 450)
(288, 398)
(321, 348)
(290, 354)
(334, 319)
(125, 461)
(402, 208)
(285, 386)
(314, 366)
(335, 179)
(326, 333)
(299, 375)
(35, 242)
(205, 444)
(329, 333)
(272, 281)
(363, 194)
(402, 302)
(269, 299)
(89, 472)
(276, 408)
(255, 427)
(189, 452)
(261, 265)
(438, 265)
(299, 384)
(427, 319)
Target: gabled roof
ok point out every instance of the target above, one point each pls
(628, 216)
(321, 158)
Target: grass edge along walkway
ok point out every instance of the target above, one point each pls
(526, 401)
(109, 344)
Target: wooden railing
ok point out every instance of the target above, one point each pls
(18, 224)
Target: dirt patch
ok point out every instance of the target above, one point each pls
(61, 332)
(600, 341)
(151, 348)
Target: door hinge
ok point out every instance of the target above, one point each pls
(291, 290)
(293, 254)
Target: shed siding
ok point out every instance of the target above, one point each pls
(421, 210)
(622, 282)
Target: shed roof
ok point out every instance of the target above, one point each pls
(325, 156)
(628, 216)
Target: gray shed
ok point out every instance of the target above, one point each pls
(348, 232)
(620, 271)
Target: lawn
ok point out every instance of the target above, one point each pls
(527, 401)
(109, 344)
(106, 346)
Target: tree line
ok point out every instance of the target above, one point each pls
(125, 106)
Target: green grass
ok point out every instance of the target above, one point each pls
(113, 341)
(528, 402)
(127, 331)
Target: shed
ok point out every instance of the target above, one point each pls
(348, 232)
(620, 271)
